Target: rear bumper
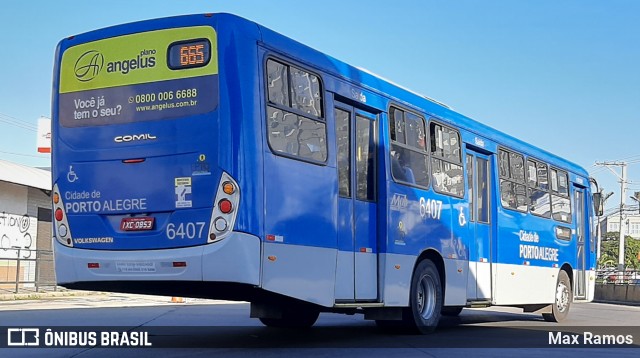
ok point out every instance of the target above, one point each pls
(234, 259)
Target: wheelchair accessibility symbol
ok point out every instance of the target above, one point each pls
(461, 219)
(71, 175)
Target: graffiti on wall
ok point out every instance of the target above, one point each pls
(17, 232)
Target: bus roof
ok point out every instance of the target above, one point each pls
(405, 96)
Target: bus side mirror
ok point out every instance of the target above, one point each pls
(598, 206)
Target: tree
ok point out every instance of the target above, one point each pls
(610, 247)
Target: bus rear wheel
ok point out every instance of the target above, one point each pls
(293, 318)
(425, 302)
(563, 299)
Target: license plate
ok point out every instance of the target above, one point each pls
(137, 224)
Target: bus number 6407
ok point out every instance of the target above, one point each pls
(190, 230)
(430, 208)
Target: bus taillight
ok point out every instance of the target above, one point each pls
(225, 209)
(59, 214)
(62, 233)
(228, 188)
(62, 230)
(225, 206)
(221, 224)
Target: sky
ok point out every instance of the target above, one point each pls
(562, 75)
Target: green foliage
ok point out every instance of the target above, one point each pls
(610, 247)
(611, 235)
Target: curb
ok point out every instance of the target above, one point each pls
(623, 303)
(46, 295)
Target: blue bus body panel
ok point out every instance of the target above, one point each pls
(444, 235)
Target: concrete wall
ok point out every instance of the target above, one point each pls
(25, 223)
(13, 198)
(618, 293)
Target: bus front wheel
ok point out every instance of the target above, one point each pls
(563, 299)
(426, 297)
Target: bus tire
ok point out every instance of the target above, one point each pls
(563, 299)
(425, 302)
(293, 319)
(451, 311)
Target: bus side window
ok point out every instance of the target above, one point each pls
(295, 122)
(365, 158)
(397, 126)
(560, 202)
(446, 160)
(539, 191)
(278, 83)
(305, 92)
(470, 184)
(513, 192)
(409, 160)
(400, 166)
(343, 140)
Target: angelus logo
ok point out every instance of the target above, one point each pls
(88, 65)
(146, 59)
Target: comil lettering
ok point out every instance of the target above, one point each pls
(134, 137)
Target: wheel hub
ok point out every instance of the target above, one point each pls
(562, 297)
(426, 297)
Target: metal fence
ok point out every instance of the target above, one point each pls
(24, 270)
(616, 277)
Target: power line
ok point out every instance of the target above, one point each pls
(629, 158)
(32, 129)
(4, 118)
(633, 159)
(16, 119)
(23, 155)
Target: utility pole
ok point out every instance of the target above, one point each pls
(623, 195)
(605, 197)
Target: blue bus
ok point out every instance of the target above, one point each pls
(208, 156)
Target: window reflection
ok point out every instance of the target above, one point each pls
(446, 160)
(296, 135)
(294, 118)
(305, 92)
(343, 133)
(365, 159)
(409, 159)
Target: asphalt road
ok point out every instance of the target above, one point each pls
(205, 328)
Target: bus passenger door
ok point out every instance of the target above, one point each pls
(580, 282)
(357, 266)
(479, 181)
